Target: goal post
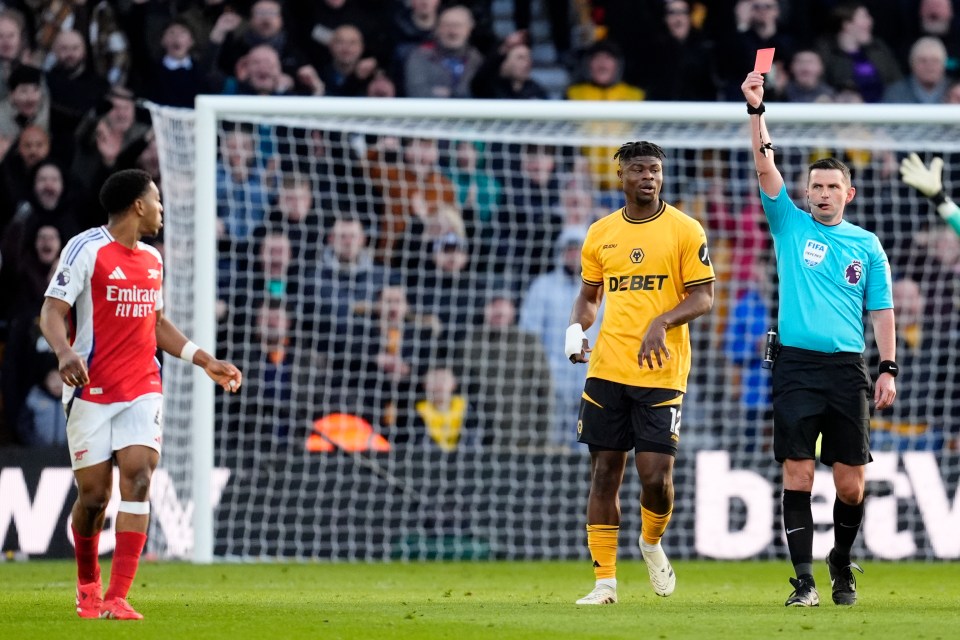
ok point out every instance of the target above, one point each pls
(270, 474)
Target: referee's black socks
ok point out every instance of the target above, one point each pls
(846, 525)
(798, 525)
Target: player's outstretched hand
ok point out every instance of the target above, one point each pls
(929, 182)
(752, 88)
(224, 374)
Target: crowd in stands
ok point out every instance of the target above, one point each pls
(398, 275)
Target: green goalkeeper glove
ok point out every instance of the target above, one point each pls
(927, 181)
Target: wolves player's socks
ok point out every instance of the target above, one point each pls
(602, 541)
(846, 524)
(86, 550)
(126, 557)
(652, 525)
(798, 525)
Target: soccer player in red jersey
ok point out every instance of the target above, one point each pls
(103, 317)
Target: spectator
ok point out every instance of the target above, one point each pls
(414, 23)
(180, 75)
(505, 75)
(451, 289)
(604, 64)
(25, 279)
(346, 281)
(937, 20)
(279, 377)
(530, 218)
(266, 28)
(96, 21)
(545, 314)
(384, 355)
(478, 189)
(558, 15)
(42, 421)
(441, 415)
(806, 82)
(925, 411)
(444, 67)
(47, 205)
(381, 86)
(348, 73)
(927, 82)
(108, 139)
(314, 23)
(242, 193)
(14, 45)
(737, 51)
(750, 317)
(75, 88)
(17, 168)
(259, 73)
(853, 56)
(514, 403)
(296, 216)
(407, 173)
(952, 94)
(686, 69)
(26, 104)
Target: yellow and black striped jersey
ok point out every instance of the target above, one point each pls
(644, 268)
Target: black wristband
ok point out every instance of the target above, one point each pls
(755, 111)
(889, 366)
(938, 198)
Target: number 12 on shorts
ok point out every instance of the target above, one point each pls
(675, 420)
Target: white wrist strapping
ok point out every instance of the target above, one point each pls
(189, 350)
(573, 343)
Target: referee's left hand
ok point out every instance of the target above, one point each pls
(885, 391)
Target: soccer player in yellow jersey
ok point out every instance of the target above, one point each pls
(651, 262)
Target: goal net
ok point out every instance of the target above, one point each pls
(394, 278)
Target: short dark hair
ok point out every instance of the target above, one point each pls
(830, 164)
(122, 189)
(639, 149)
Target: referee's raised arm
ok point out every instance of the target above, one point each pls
(770, 179)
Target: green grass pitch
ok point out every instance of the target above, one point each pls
(487, 600)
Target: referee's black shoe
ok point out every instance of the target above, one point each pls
(804, 593)
(842, 580)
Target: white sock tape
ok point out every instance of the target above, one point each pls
(188, 351)
(135, 508)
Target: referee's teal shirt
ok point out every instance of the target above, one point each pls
(828, 275)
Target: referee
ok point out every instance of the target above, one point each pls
(830, 270)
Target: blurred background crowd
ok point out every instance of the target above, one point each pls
(392, 277)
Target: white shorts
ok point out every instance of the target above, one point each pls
(95, 431)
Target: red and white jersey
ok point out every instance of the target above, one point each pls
(115, 293)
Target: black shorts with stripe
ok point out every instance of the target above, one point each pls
(821, 393)
(620, 417)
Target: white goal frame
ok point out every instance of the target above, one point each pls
(210, 108)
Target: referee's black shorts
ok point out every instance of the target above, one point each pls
(821, 393)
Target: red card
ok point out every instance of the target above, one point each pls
(764, 60)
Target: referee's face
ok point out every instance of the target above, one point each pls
(828, 194)
(642, 178)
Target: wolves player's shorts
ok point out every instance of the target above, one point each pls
(621, 417)
(95, 431)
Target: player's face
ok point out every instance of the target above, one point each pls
(152, 220)
(642, 178)
(828, 193)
